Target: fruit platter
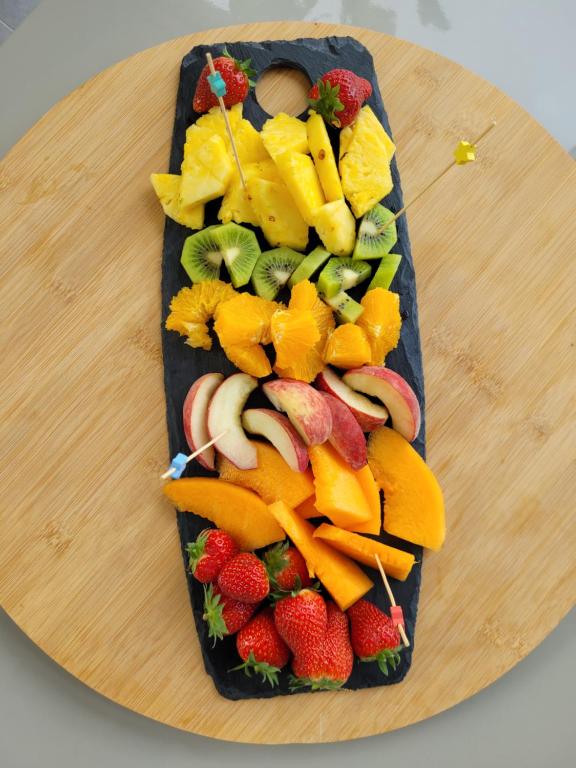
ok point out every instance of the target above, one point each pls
(293, 375)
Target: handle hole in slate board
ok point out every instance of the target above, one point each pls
(283, 89)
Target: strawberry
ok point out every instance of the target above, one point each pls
(286, 568)
(338, 96)
(223, 615)
(374, 636)
(301, 619)
(237, 76)
(244, 578)
(209, 552)
(327, 664)
(261, 648)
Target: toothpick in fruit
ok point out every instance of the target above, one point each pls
(395, 610)
(179, 462)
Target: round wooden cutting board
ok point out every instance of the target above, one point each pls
(90, 565)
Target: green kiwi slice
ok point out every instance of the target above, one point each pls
(240, 250)
(311, 263)
(375, 241)
(386, 271)
(347, 310)
(273, 270)
(340, 274)
(201, 255)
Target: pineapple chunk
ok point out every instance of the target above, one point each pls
(284, 133)
(167, 188)
(345, 139)
(249, 144)
(299, 174)
(365, 163)
(324, 160)
(236, 206)
(336, 227)
(213, 121)
(277, 214)
(368, 115)
(205, 172)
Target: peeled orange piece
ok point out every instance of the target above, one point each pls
(244, 319)
(382, 322)
(305, 296)
(191, 309)
(294, 333)
(348, 347)
(250, 358)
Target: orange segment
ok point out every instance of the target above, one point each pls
(273, 480)
(191, 309)
(372, 494)
(305, 296)
(382, 322)
(251, 359)
(348, 347)
(338, 492)
(395, 562)
(244, 319)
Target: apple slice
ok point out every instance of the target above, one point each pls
(369, 415)
(394, 391)
(304, 406)
(346, 436)
(224, 415)
(276, 428)
(195, 416)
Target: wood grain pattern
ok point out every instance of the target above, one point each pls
(90, 566)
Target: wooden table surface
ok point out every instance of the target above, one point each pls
(90, 566)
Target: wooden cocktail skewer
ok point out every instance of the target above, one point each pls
(401, 629)
(440, 175)
(216, 88)
(187, 459)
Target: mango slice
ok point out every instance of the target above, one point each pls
(338, 492)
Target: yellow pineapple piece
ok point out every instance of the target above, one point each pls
(299, 174)
(249, 144)
(336, 227)
(365, 163)
(236, 206)
(277, 214)
(213, 121)
(206, 171)
(345, 139)
(167, 188)
(324, 160)
(284, 133)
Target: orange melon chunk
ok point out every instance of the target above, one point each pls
(372, 493)
(395, 562)
(233, 509)
(308, 508)
(413, 502)
(338, 492)
(273, 480)
(345, 581)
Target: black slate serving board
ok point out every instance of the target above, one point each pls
(182, 365)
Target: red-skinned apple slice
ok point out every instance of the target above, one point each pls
(304, 406)
(346, 436)
(224, 415)
(277, 428)
(394, 391)
(195, 416)
(369, 415)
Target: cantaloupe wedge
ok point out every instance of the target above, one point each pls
(273, 480)
(229, 507)
(372, 493)
(308, 509)
(413, 502)
(345, 581)
(395, 562)
(338, 492)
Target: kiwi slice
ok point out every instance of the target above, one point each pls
(240, 251)
(201, 255)
(375, 241)
(340, 274)
(311, 263)
(347, 310)
(386, 271)
(273, 270)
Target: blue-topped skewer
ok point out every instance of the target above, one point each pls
(179, 462)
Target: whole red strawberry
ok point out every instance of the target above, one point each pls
(209, 552)
(338, 96)
(301, 619)
(286, 568)
(261, 647)
(237, 76)
(244, 578)
(328, 664)
(223, 615)
(374, 636)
